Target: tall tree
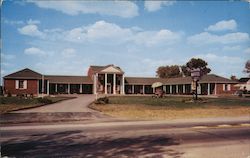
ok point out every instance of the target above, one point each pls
(247, 67)
(168, 71)
(233, 77)
(195, 63)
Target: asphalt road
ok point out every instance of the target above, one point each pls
(128, 139)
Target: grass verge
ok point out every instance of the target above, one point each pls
(144, 107)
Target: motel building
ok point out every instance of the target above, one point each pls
(109, 79)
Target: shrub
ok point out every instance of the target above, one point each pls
(44, 100)
(9, 94)
(104, 100)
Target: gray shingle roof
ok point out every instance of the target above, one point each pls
(24, 74)
(69, 79)
(211, 78)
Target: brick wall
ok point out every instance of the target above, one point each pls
(220, 91)
(10, 87)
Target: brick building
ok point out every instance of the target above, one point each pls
(110, 79)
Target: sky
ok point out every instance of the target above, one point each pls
(66, 37)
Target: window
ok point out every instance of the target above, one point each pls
(21, 84)
(226, 87)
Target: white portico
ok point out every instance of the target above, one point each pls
(107, 79)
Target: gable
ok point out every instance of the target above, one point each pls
(111, 69)
(24, 74)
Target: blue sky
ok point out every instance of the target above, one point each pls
(65, 37)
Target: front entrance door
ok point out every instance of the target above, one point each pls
(109, 88)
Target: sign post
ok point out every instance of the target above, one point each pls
(196, 75)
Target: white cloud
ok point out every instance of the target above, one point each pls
(125, 9)
(31, 30)
(103, 32)
(34, 51)
(247, 50)
(68, 52)
(213, 58)
(30, 22)
(99, 31)
(151, 38)
(7, 56)
(152, 6)
(223, 25)
(12, 22)
(208, 38)
(231, 48)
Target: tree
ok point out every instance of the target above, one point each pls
(233, 77)
(247, 67)
(168, 71)
(195, 63)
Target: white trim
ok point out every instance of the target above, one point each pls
(114, 84)
(106, 82)
(224, 87)
(25, 84)
(17, 84)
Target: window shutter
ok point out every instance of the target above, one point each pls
(223, 87)
(25, 84)
(17, 84)
(229, 87)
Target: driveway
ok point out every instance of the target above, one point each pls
(79, 104)
(68, 110)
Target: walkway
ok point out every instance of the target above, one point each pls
(79, 104)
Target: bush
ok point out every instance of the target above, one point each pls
(104, 100)
(44, 100)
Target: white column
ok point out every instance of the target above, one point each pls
(133, 89)
(56, 87)
(47, 87)
(165, 88)
(208, 89)
(42, 84)
(215, 89)
(143, 89)
(177, 88)
(170, 89)
(106, 82)
(68, 88)
(80, 88)
(114, 84)
(153, 90)
(94, 86)
(183, 89)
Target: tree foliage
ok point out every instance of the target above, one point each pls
(168, 71)
(233, 77)
(174, 70)
(247, 67)
(195, 63)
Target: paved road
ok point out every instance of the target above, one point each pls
(78, 104)
(129, 139)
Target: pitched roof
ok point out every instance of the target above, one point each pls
(244, 79)
(211, 78)
(24, 74)
(95, 68)
(69, 79)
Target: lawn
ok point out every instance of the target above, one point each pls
(8, 104)
(146, 107)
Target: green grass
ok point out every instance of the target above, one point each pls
(8, 104)
(178, 102)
